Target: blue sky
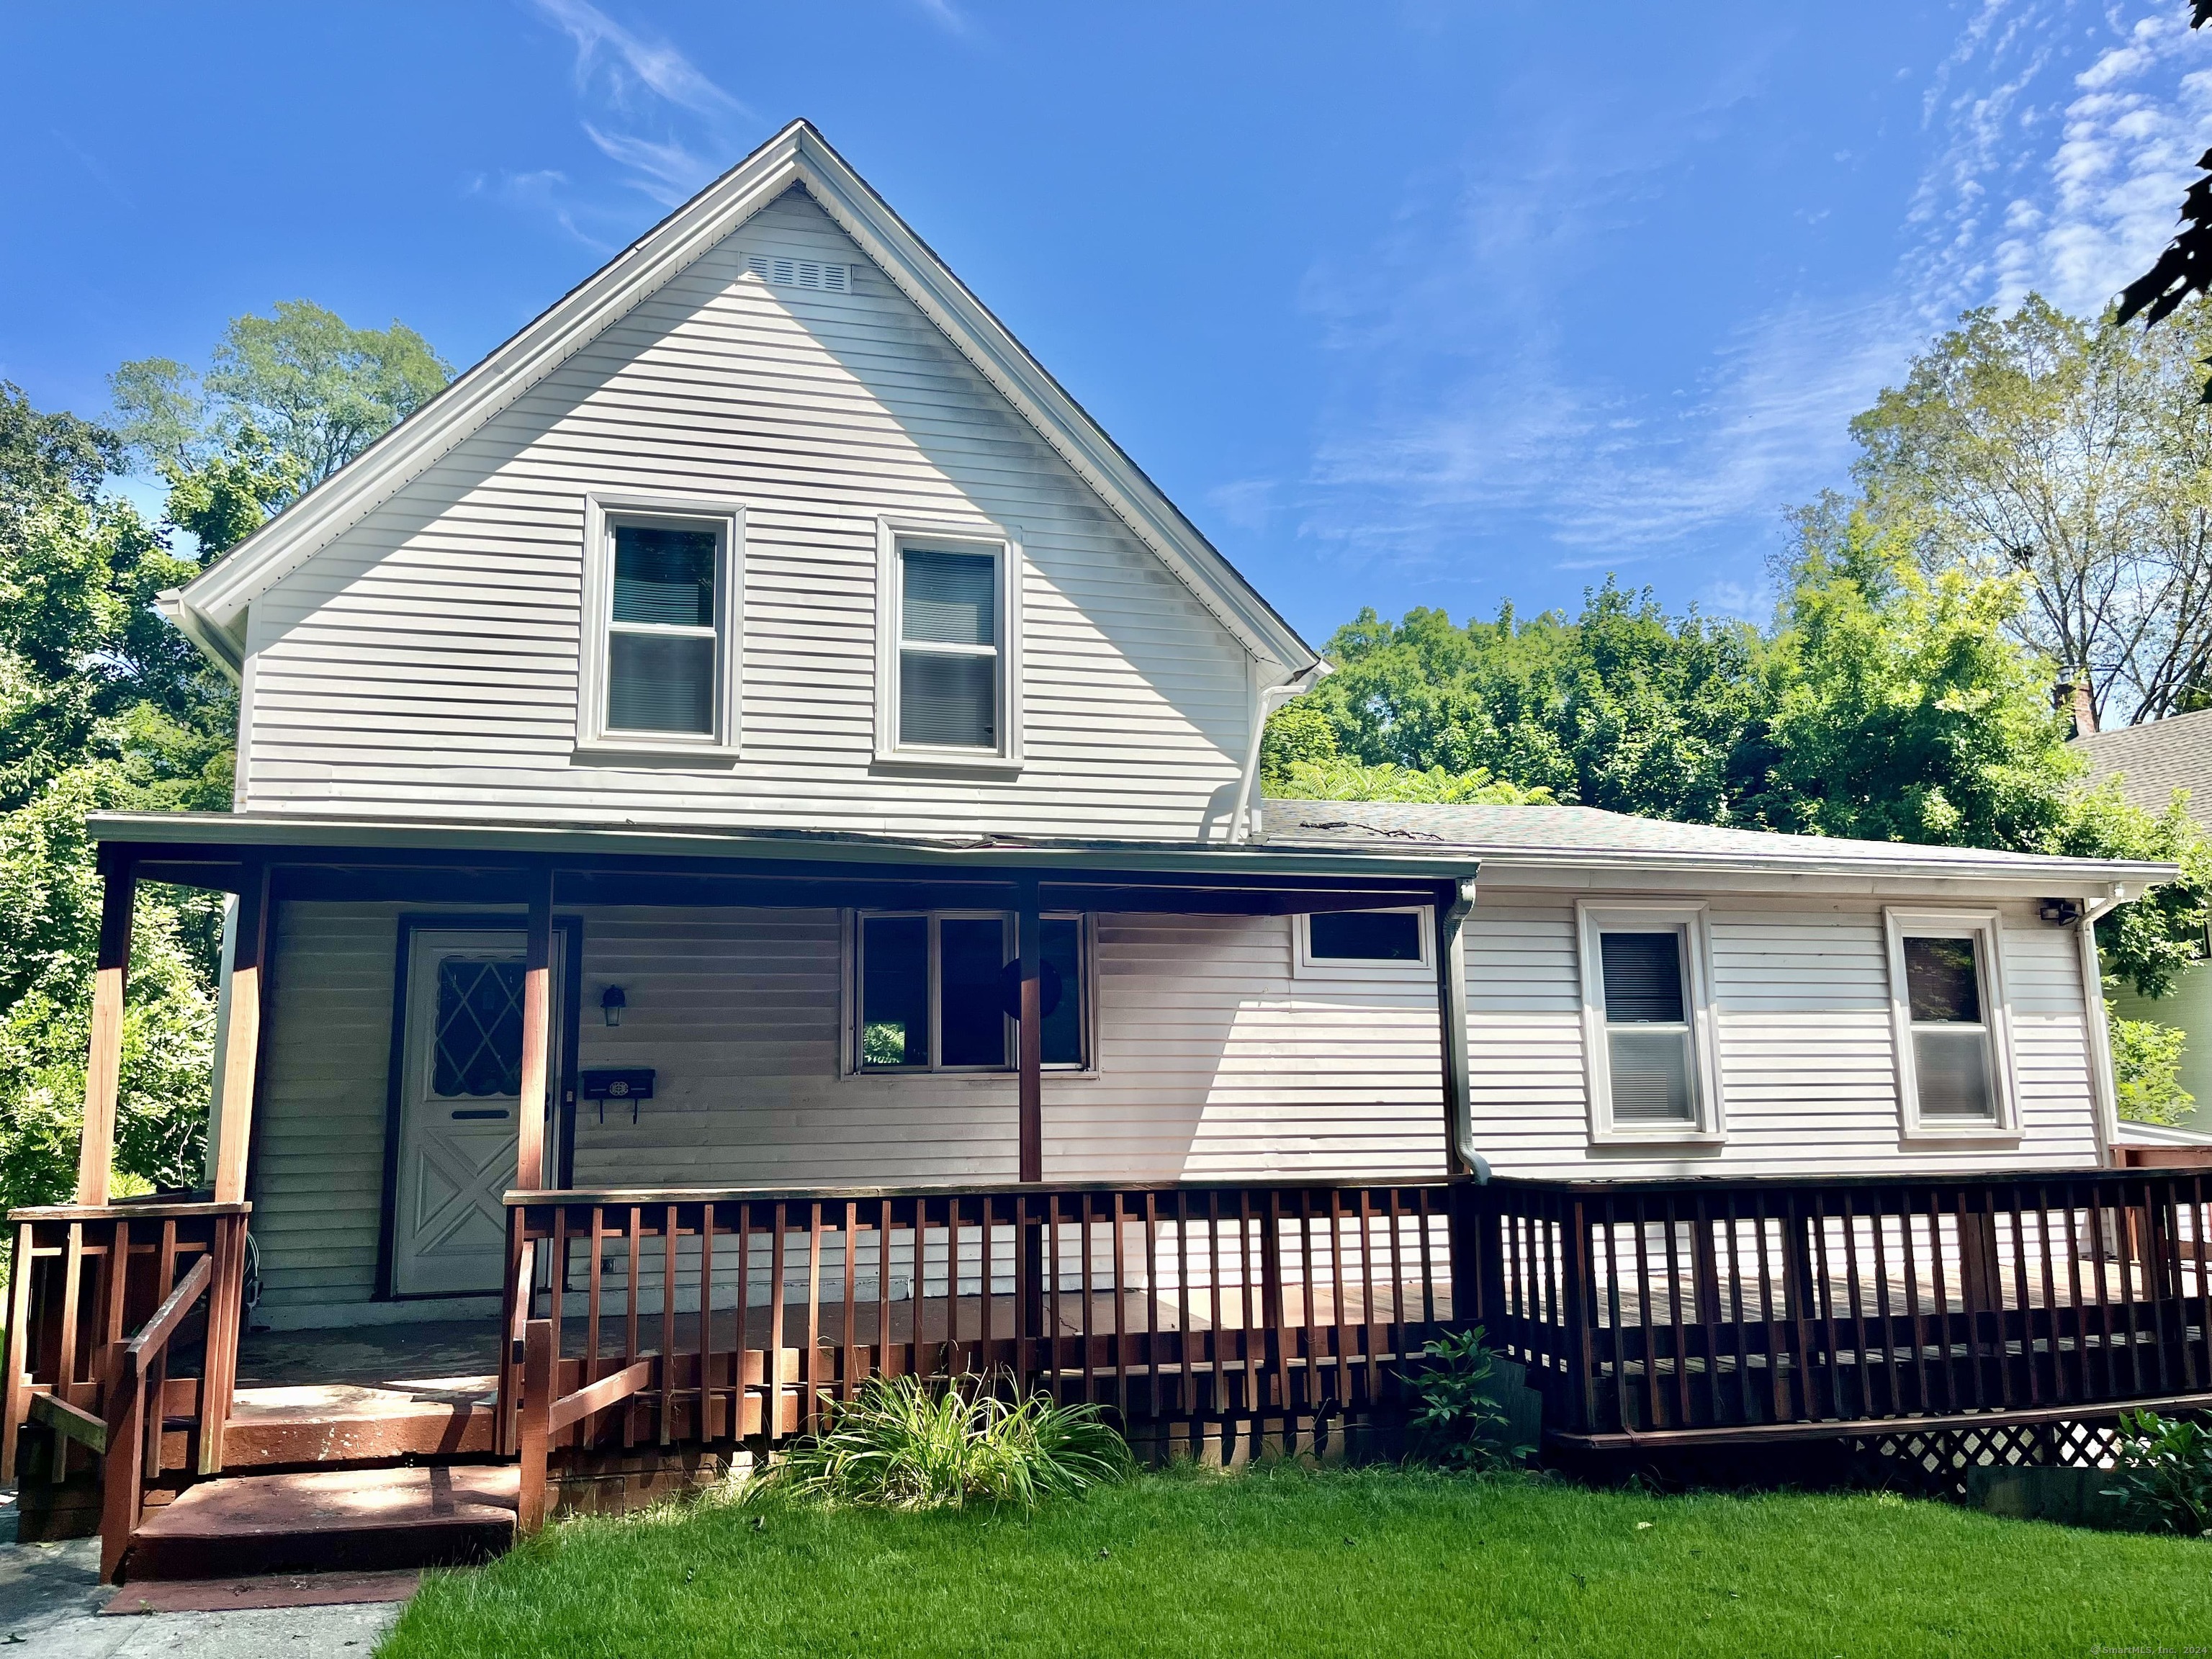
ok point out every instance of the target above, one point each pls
(1410, 304)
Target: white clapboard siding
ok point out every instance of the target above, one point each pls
(426, 663)
(1801, 994)
(1214, 1060)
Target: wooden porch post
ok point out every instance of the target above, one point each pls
(537, 1030)
(1030, 929)
(104, 1063)
(241, 1054)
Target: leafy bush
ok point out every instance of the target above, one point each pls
(1459, 1422)
(901, 1445)
(2146, 1066)
(2165, 1472)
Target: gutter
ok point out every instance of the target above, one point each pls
(216, 646)
(1265, 700)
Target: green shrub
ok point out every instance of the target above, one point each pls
(902, 1446)
(2147, 1067)
(2165, 1472)
(1458, 1421)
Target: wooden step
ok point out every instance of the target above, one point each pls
(330, 1520)
(340, 1422)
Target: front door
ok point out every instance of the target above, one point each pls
(460, 1093)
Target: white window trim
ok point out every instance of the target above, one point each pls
(602, 511)
(893, 535)
(1305, 965)
(849, 987)
(1710, 1127)
(1987, 928)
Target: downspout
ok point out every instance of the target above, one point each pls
(1265, 700)
(2101, 1082)
(1453, 902)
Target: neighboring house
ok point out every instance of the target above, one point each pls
(2155, 761)
(748, 873)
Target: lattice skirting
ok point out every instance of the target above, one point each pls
(1937, 1461)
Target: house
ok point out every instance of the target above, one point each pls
(2154, 762)
(748, 874)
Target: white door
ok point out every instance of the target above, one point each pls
(458, 1098)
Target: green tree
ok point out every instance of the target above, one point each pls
(1624, 708)
(102, 705)
(301, 383)
(2077, 456)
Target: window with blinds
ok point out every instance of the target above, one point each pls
(1648, 1053)
(1950, 1030)
(664, 637)
(949, 655)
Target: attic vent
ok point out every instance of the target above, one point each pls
(802, 273)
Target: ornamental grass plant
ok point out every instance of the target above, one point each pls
(901, 1445)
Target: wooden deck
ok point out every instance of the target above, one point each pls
(1747, 1310)
(645, 1333)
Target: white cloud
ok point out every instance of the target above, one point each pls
(2057, 141)
(630, 64)
(945, 15)
(664, 121)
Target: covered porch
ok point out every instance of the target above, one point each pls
(643, 1319)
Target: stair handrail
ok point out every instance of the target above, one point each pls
(123, 1475)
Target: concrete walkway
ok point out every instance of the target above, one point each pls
(50, 1596)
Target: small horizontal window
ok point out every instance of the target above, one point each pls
(1364, 936)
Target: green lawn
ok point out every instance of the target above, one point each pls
(1284, 1563)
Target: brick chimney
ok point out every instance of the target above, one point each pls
(2073, 697)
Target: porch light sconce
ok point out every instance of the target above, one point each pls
(612, 1001)
(2060, 911)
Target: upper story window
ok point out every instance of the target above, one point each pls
(948, 622)
(949, 656)
(660, 649)
(940, 992)
(1946, 999)
(663, 639)
(1648, 1023)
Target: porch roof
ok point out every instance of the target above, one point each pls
(479, 859)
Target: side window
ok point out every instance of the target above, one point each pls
(949, 650)
(941, 993)
(948, 647)
(664, 643)
(659, 654)
(1947, 1001)
(1647, 1038)
(1648, 1049)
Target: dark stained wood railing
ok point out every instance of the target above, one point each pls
(1711, 1310)
(688, 1317)
(103, 1302)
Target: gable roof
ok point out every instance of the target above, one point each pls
(1504, 837)
(212, 608)
(2157, 758)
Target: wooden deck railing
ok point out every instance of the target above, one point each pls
(103, 1304)
(690, 1318)
(1698, 1310)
